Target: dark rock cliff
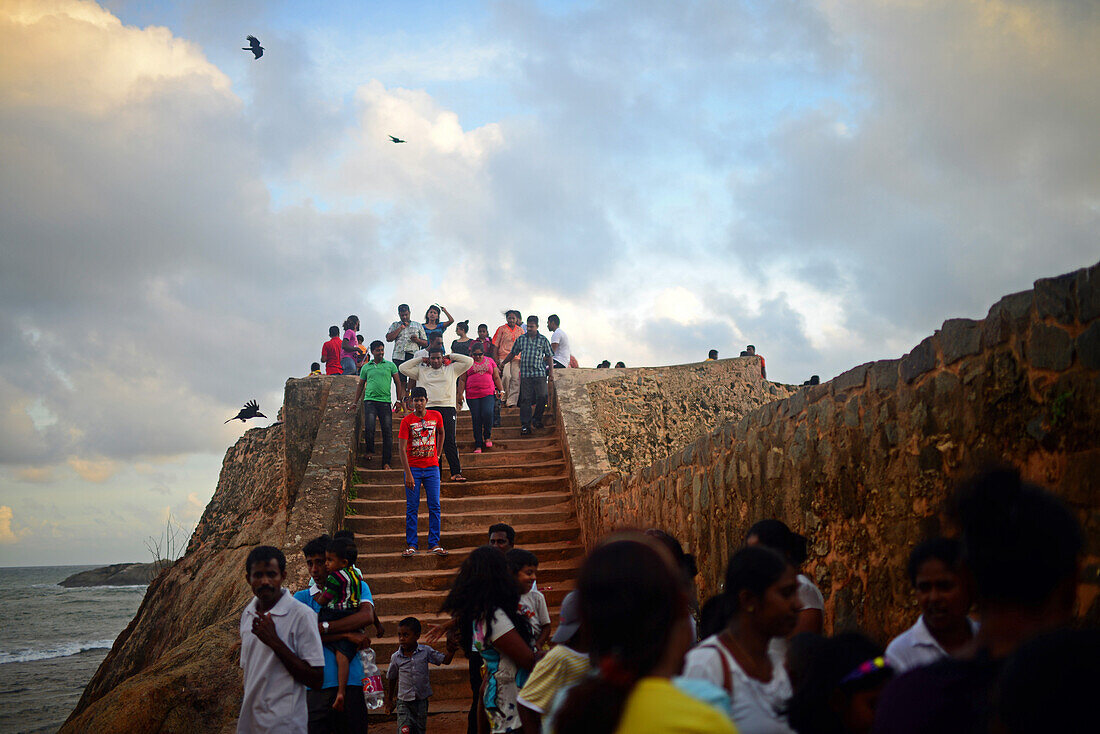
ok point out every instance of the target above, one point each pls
(175, 667)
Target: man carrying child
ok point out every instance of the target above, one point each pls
(340, 598)
(323, 719)
(407, 686)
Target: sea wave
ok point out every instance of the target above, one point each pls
(59, 650)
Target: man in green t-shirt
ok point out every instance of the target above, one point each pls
(374, 388)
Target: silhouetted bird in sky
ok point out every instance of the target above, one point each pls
(250, 410)
(397, 140)
(255, 47)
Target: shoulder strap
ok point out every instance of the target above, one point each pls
(727, 674)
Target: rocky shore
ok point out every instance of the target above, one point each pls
(117, 574)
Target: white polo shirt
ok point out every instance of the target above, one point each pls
(916, 647)
(560, 338)
(273, 700)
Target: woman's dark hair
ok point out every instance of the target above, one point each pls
(464, 325)
(519, 316)
(482, 586)
(353, 319)
(714, 615)
(1020, 543)
(834, 668)
(477, 346)
(752, 569)
(776, 535)
(631, 598)
(429, 310)
(685, 561)
(483, 326)
(518, 558)
(946, 550)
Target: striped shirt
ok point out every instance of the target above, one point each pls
(343, 589)
(561, 668)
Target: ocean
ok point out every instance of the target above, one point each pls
(52, 639)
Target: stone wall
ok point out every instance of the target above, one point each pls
(176, 666)
(862, 464)
(621, 420)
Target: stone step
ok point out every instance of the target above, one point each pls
(551, 573)
(523, 443)
(452, 521)
(452, 539)
(427, 601)
(527, 501)
(479, 488)
(390, 560)
(474, 468)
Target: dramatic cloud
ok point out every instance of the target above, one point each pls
(181, 223)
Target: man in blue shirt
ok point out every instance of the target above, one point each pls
(535, 357)
(323, 719)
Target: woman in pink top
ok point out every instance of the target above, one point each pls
(503, 340)
(348, 352)
(480, 384)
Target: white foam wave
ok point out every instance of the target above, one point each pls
(58, 650)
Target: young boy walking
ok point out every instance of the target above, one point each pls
(421, 437)
(407, 686)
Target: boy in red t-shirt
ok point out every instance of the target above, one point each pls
(421, 437)
(331, 352)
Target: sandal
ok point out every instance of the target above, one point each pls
(477, 451)
(457, 478)
(488, 444)
(409, 552)
(438, 550)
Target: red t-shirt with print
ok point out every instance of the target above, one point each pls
(423, 435)
(330, 355)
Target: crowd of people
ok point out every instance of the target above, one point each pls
(992, 649)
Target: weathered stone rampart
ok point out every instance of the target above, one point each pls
(176, 666)
(862, 464)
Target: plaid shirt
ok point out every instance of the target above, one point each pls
(532, 354)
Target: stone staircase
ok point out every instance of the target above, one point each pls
(521, 481)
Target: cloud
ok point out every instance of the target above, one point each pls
(35, 474)
(8, 535)
(93, 470)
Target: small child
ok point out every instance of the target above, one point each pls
(339, 599)
(532, 604)
(315, 369)
(407, 686)
(360, 351)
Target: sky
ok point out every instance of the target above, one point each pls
(181, 223)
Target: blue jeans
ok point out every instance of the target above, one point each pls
(348, 363)
(384, 413)
(429, 479)
(481, 413)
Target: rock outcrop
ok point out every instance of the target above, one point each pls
(176, 666)
(117, 574)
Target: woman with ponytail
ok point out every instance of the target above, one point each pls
(484, 601)
(634, 606)
(761, 599)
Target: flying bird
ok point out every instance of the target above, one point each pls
(397, 140)
(250, 410)
(255, 47)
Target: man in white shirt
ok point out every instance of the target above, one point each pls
(559, 341)
(439, 380)
(944, 599)
(281, 650)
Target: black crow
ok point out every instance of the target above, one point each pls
(250, 410)
(255, 47)
(397, 140)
